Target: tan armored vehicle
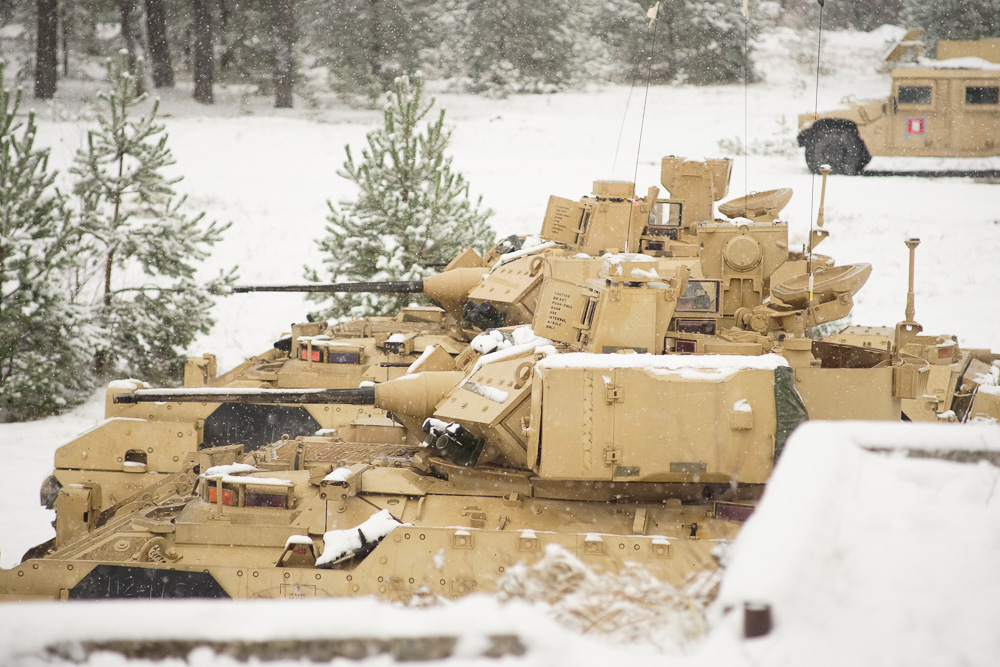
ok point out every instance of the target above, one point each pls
(135, 447)
(138, 445)
(636, 420)
(949, 107)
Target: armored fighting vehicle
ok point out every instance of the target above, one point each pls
(134, 448)
(138, 445)
(949, 107)
(636, 419)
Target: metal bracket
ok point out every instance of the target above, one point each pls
(611, 455)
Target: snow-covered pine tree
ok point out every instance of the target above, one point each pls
(865, 16)
(623, 27)
(44, 351)
(520, 45)
(700, 42)
(412, 213)
(953, 19)
(142, 248)
(366, 44)
(710, 37)
(246, 54)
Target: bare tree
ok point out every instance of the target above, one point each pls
(159, 49)
(284, 65)
(203, 58)
(46, 48)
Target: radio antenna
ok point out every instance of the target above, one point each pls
(746, 107)
(621, 129)
(649, 70)
(812, 200)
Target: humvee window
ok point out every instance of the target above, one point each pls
(914, 94)
(982, 95)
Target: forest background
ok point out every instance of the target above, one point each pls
(289, 48)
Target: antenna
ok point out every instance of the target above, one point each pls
(642, 123)
(912, 244)
(812, 200)
(746, 107)
(621, 129)
(908, 328)
(614, 163)
(818, 234)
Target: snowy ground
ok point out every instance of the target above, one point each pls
(271, 173)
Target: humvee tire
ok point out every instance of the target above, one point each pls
(838, 147)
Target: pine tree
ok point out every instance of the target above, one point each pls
(247, 54)
(130, 19)
(864, 16)
(701, 42)
(412, 212)
(519, 45)
(366, 44)
(142, 248)
(43, 338)
(623, 27)
(953, 19)
(713, 41)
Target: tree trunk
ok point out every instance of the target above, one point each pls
(131, 33)
(46, 49)
(6, 11)
(101, 361)
(224, 14)
(203, 75)
(284, 66)
(64, 35)
(226, 54)
(375, 47)
(159, 49)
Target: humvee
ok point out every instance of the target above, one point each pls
(948, 107)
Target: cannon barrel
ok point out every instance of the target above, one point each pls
(449, 289)
(386, 287)
(350, 396)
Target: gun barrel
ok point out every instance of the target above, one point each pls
(350, 396)
(386, 287)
